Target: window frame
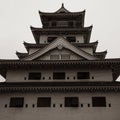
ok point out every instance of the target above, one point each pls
(71, 39)
(44, 102)
(59, 75)
(70, 102)
(51, 38)
(55, 57)
(16, 102)
(98, 101)
(31, 76)
(83, 75)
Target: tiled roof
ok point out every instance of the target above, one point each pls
(86, 31)
(26, 87)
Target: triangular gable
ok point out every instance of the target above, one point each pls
(60, 54)
(60, 42)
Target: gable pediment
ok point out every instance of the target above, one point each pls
(60, 54)
(60, 43)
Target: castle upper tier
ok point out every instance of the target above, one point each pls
(62, 49)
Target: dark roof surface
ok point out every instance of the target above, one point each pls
(86, 31)
(53, 83)
(62, 87)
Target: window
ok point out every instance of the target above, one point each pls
(98, 101)
(71, 24)
(53, 24)
(59, 75)
(46, 24)
(34, 76)
(50, 39)
(65, 57)
(62, 24)
(71, 102)
(71, 39)
(78, 24)
(83, 75)
(44, 102)
(54, 57)
(16, 102)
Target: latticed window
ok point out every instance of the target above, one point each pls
(54, 57)
(34, 76)
(70, 24)
(62, 24)
(54, 24)
(71, 102)
(83, 75)
(65, 57)
(98, 101)
(50, 39)
(16, 102)
(59, 75)
(44, 102)
(71, 39)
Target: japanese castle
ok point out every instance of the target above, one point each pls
(61, 76)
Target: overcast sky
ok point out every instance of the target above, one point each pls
(16, 16)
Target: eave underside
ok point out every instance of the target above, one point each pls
(62, 87)
(113, 64)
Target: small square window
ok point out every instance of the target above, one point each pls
(54, 24)
(59, 75)
(71, 102)
(65, 57)
(34, 76)
(54, 57)
(50, 39)
(83, 75)
(44, 102)
(16, 102)
(98, 101)
(71, 39)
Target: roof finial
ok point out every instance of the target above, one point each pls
(62, 5)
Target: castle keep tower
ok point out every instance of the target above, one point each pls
(61, 76)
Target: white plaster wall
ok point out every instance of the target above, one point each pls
(98, 74)
(61, 113)
(101, 75)
(79, 39)
(43, 39)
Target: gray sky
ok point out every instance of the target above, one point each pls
(16, 16)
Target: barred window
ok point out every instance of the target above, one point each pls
(98, 101)
(59, 75)
(54, 57)
(16, 102)
(71, 39)
(34, 76)
(83, 75)
(65, 57)
(50, 39)
(71, 102)
(44, 102)
(62, 24)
